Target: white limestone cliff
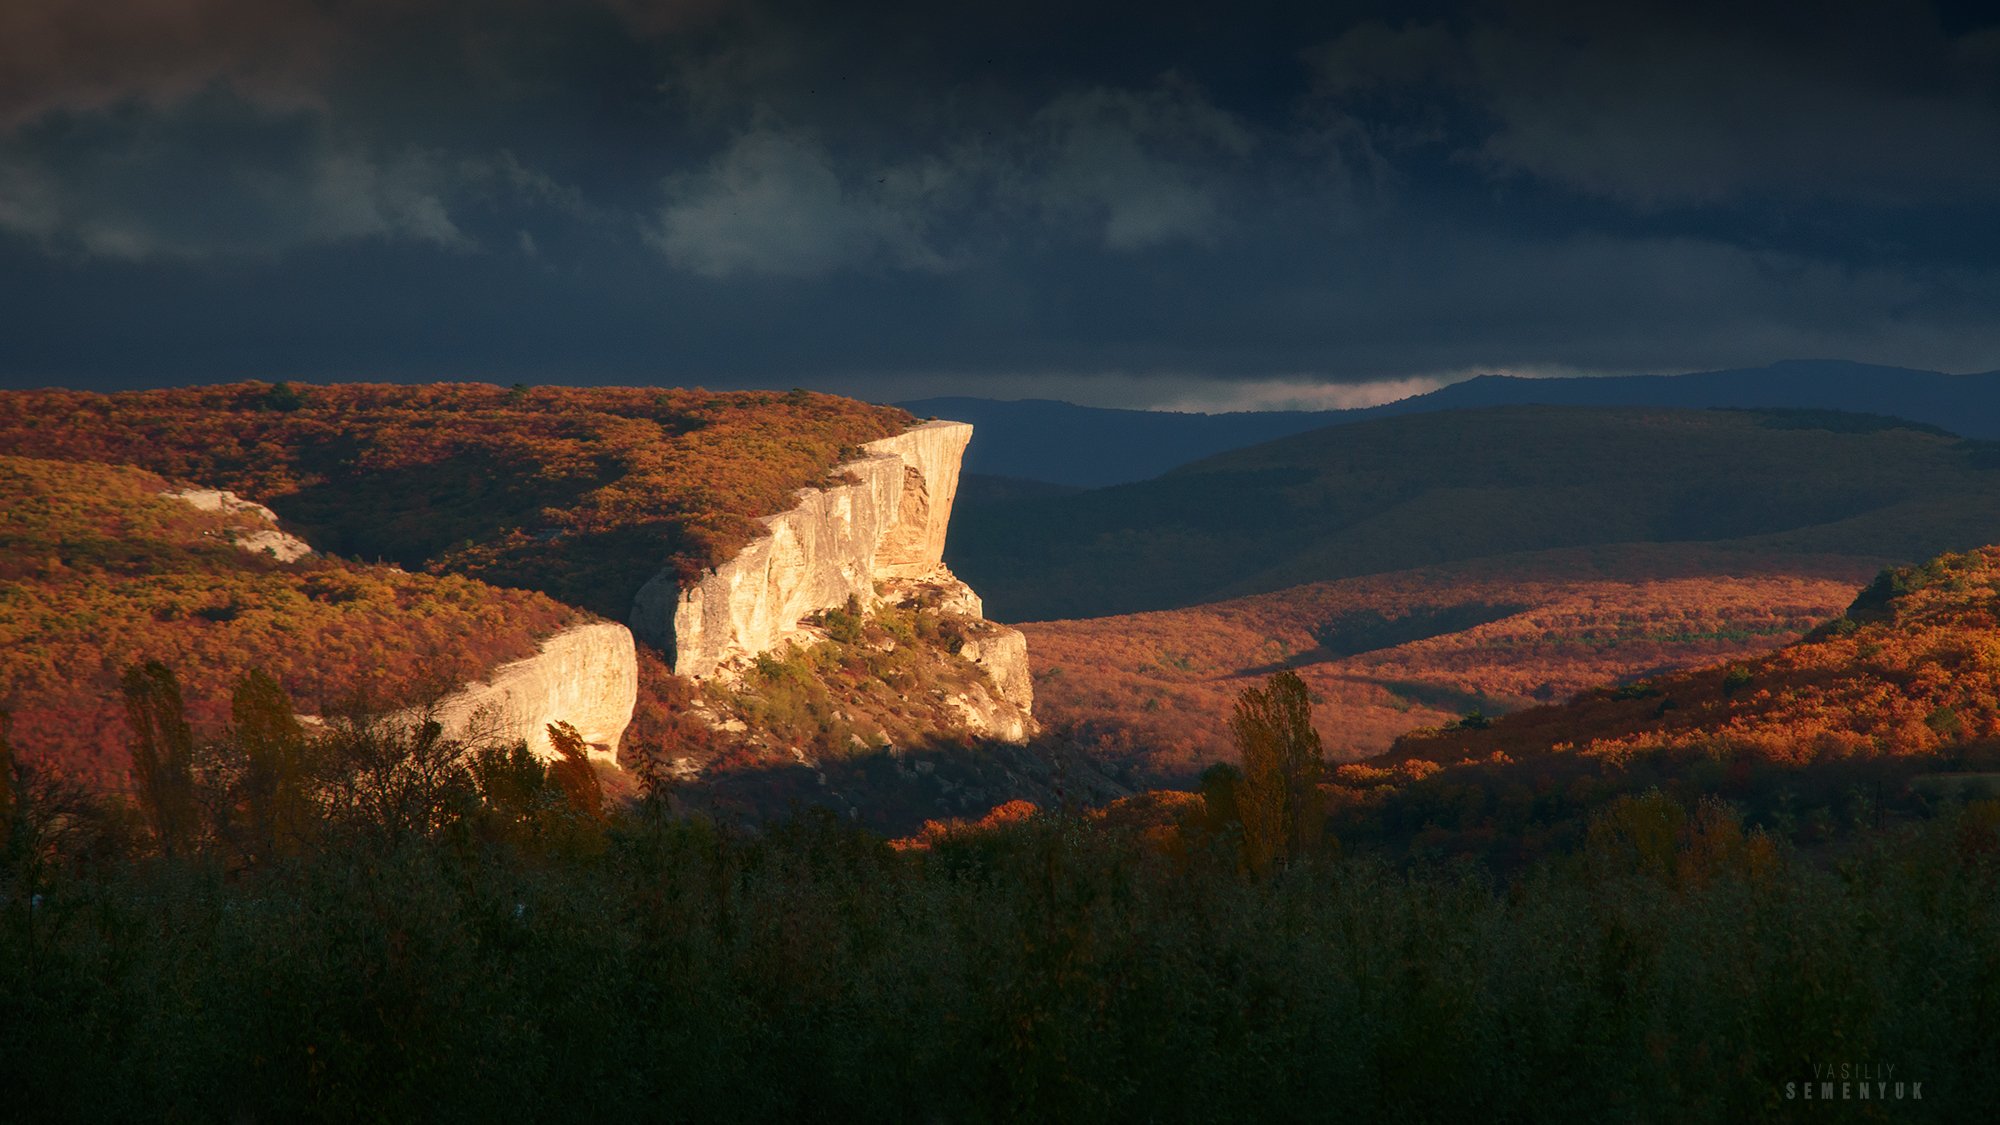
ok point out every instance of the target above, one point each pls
(888, 521)
(1003, 653)
(882, 527)
(586, 676)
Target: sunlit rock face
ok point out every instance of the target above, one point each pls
(1003, 652)
(1003, 707)
(1006, 712)
(886, 519)
(586, 676)
(878, 533)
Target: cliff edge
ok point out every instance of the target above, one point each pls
(586, 676)
(875, 537)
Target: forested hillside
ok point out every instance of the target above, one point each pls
(99, 571)
(581, 493)
(1911, 668)
(1885, 714)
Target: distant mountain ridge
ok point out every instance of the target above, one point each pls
(1967, 405)
(1089, 446)
(1040, 439)
(1427, 489)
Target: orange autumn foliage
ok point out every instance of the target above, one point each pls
(1912, 669)
(1387, 653)
(99, 572)
(935, 832)
(581, 493)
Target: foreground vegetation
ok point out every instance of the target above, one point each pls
(375, 924)
(1047, 970)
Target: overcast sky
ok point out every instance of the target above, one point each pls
(1143, 203)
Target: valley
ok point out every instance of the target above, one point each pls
(1391, 652)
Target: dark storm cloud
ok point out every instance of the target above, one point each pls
(1872, 104)
(1131, 203)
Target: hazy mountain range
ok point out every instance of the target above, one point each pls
(1061, 443)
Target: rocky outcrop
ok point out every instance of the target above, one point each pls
(1003, 654)
(268, 538)
(887, 520)
(1003, 708)
(586, 676)
(876, 537)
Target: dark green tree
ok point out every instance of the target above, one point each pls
(6, 780)
(283, 397)
(1219, 791)
(514, 801)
